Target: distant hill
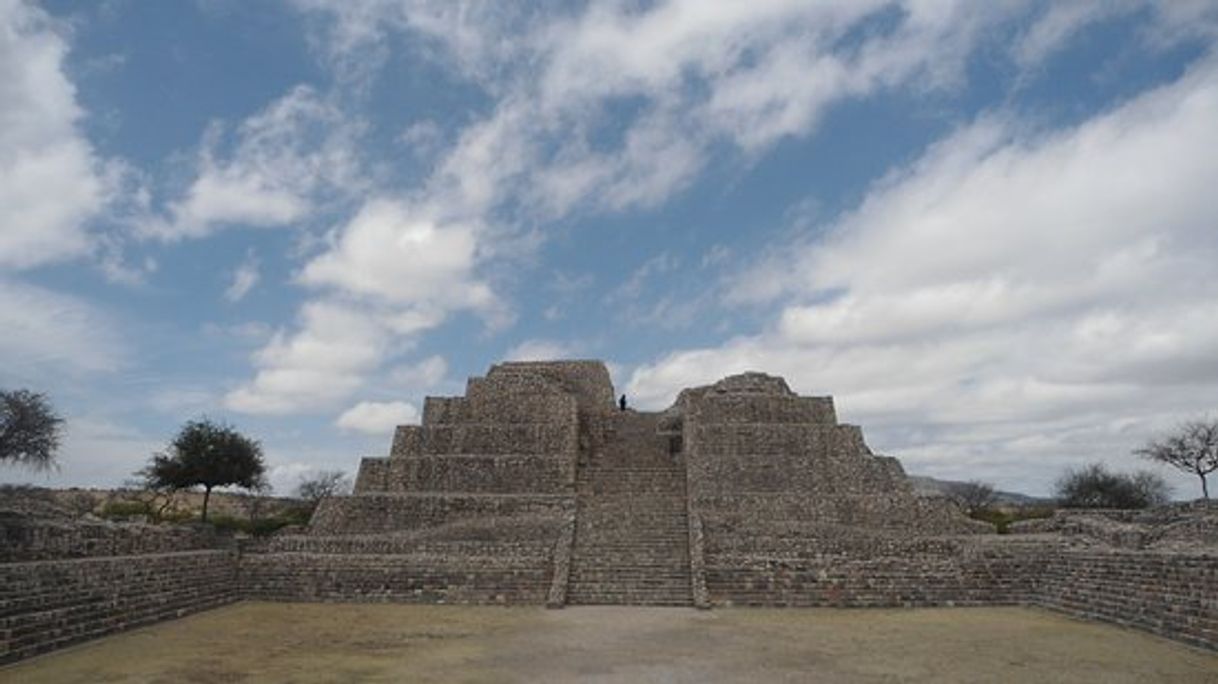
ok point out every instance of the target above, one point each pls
(928, 486)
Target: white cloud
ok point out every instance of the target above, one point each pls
(377, 418)
(608, 107)
(1053, 29)
(390, 274)
(399, 255)
(1163, 23)
(686, 76)
(421, 376)
(96, 452)
(245, 277)
(632, 288)
(541, 350)
(1013, 301)
(53, 183)
(46, 331)
(287, 160)
(337, 346)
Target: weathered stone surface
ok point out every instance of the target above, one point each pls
(533, 488)
(26, 538)
(46, 605)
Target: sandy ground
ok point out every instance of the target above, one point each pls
(265, 642)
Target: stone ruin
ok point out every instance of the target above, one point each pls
(534, 488)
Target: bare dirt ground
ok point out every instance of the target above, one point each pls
(264, 642)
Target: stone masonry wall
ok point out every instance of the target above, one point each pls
(24, 538)
(1171, 594)
(417, 578)
(761, 458)
(475, 505)
(473, 473)
(390, 513)
(785, 507)
(888, 574)
(49, 604)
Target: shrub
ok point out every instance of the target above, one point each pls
(123, 509)
(1096, 487)
(1003, 519)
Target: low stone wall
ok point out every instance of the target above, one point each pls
(29, 539)
(1171, 594)
(45, 605)
(1174, 595)
(410, 578)
(874, 572)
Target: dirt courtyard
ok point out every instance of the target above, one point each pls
(268, 642)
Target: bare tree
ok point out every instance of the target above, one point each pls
(156, 498)
(971, 496)
(1193, 448)
(325, 484)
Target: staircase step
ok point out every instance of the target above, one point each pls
(631, 541)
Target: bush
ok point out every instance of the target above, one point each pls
(79, 502)
(1096, 487)
(1002, 519)
(259, 527)
(123, 509)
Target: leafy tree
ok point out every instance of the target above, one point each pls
(29, 429)
(972, 496)
(325, 484)
(1096, 487)
(209, 455)
(1193, 448)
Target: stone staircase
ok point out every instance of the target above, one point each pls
(631, 536)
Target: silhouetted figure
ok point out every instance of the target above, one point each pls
(622, 402)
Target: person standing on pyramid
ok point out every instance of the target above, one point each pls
(622, 402)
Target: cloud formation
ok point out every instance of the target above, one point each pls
(53, 182)
(378, 418)
(50, 332)
(284, 164)
(988, 273)
(1011, 291)
(389, 275)
(245, 277)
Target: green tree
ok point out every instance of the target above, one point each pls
(208, 455)
(29, 429)
(1193, 448)
(1097, 487)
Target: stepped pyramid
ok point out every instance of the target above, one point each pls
(533, 487)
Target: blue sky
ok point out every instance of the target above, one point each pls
(988, 229)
